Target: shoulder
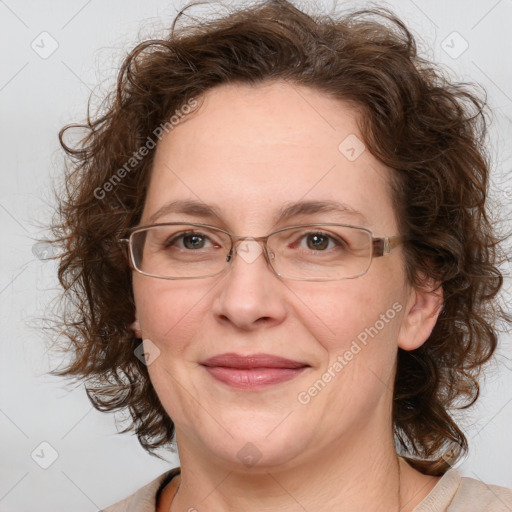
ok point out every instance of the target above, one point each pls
(457, 493)
(144, 500)
(475, 495)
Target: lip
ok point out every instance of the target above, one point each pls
(233, 360)
(254, 371)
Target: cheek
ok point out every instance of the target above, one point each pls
(355, 324)
(338, 310)
(354, 332)
(170, 316)
(169, 311)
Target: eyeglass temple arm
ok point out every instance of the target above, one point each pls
(383, 246)
(125, 248)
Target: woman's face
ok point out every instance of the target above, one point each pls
(248, 152)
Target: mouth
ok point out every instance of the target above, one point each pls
(253, 371)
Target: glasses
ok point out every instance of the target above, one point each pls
(306, 252)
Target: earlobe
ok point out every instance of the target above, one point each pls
(420, 317)
(135, 327)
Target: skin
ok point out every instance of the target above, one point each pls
(248, 150)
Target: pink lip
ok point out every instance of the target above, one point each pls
(253, 378)
(254, 371)
(232, 360)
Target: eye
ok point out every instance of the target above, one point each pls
(320, 241)
(189, 240)
(317, 241)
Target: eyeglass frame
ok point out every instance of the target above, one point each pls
(380, 246)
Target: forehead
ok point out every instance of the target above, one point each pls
(249, 151)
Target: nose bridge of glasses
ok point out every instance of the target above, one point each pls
(249, 248)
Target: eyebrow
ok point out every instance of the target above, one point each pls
(288, 210)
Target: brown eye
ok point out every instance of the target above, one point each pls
(193, 241)
(317, 241)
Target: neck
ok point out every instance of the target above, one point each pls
(359, 478)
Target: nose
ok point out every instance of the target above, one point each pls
(249, 249)
(250, 294)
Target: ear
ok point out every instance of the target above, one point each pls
(135, 327)
(421, 314)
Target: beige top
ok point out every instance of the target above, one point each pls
(452, 493)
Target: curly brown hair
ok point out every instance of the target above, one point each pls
(428, 129)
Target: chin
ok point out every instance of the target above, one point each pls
(256, 450)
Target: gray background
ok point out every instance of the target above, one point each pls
(40, 91)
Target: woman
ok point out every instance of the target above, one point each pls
(276, 239)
